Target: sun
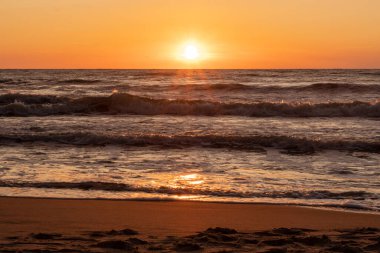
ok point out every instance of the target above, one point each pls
(190, 52)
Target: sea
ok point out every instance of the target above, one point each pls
(298, 137)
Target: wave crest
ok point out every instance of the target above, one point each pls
(123, 103)
(130, 104)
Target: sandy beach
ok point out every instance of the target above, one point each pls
(58, 225)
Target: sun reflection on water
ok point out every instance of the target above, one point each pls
(190, 179)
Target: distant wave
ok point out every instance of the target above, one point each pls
(10, 98)
(371, 73)
(79, 80)
(164, 73)
(121, 187)
(256, 74)
(315, 87)
(341, 87)
(119, 103)
(6, 80)
(297, 145)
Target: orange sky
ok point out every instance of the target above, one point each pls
(151, 33)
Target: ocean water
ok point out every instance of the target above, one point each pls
(306, 137)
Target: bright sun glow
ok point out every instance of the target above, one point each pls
(191, 52)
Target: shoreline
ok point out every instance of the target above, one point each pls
(349, 209)
(177, 217)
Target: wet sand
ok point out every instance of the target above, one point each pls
(59, 225)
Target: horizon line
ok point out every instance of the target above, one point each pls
(189, 68)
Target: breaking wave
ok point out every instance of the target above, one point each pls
(121, 187)
(296, 145)
(123, 103)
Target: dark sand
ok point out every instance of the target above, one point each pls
(59, 225)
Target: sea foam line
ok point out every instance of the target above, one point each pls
(122, 187)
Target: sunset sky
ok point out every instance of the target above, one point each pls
(155, 34)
